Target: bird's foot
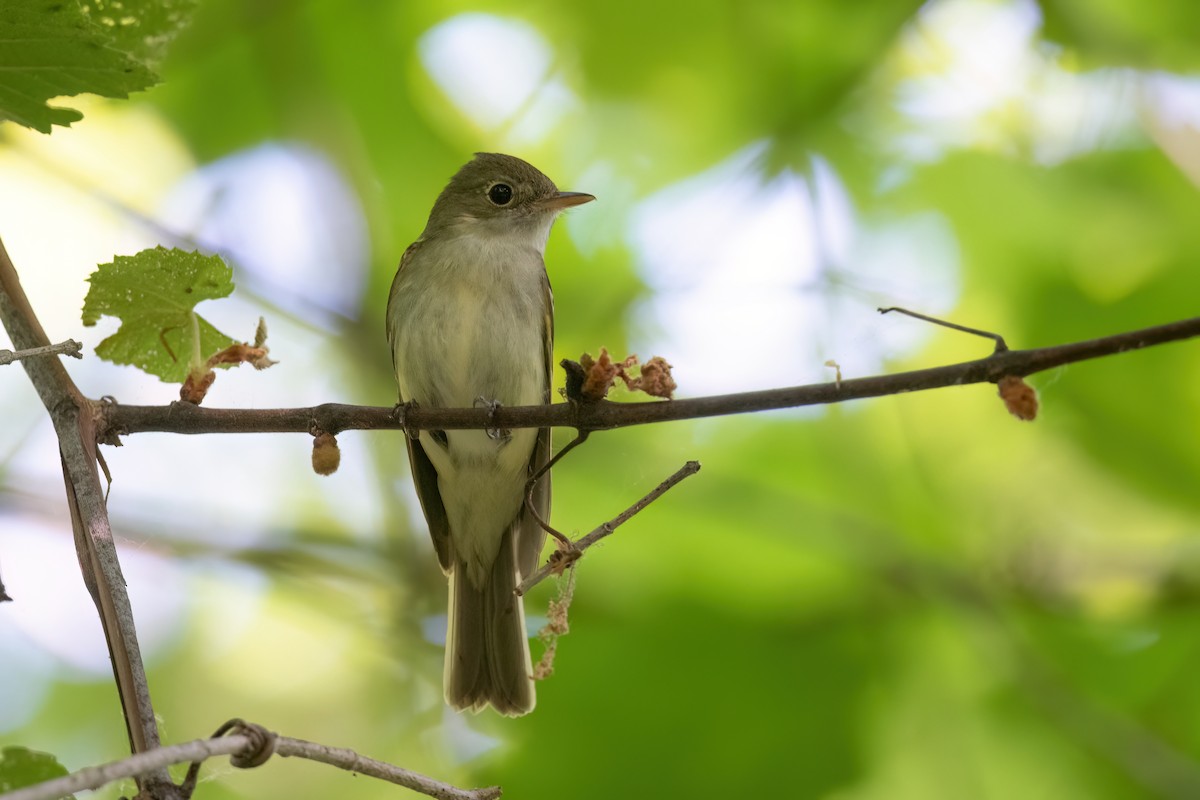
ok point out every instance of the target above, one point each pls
(498, 434)
(400, 413)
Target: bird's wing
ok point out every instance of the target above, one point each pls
(389, 318)
(425, 478)
(530, 535)
(424, 475)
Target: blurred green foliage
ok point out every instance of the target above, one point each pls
(913, 597)
(23, 767)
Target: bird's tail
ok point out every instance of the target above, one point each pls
(487, 648)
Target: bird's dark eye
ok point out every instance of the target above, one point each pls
(500, 194)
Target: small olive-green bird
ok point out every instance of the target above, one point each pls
(470, 320)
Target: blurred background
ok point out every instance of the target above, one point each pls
(911, 597)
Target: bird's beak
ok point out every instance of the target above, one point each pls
(564, 200)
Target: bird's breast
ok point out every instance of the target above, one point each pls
(471, 322)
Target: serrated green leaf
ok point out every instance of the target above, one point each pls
(154, 294)
(20, 766)
(51, 49)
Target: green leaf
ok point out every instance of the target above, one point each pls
(20, 766)
(154, 294)
(51, 49)
(141, 28)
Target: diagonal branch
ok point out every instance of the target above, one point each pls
(118, 420)
(74, 424)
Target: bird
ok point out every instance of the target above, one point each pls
(470, 322)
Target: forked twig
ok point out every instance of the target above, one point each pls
(563, 559)
(562, 538)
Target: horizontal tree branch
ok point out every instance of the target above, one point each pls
(236, 744)
(117, 420)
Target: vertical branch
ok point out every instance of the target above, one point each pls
(74, 424)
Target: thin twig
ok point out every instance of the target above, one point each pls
(564, 558)
(68, 348)
(118, 420)
(351, 761)
(201, 749)
(995, 337)
(532, 482)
